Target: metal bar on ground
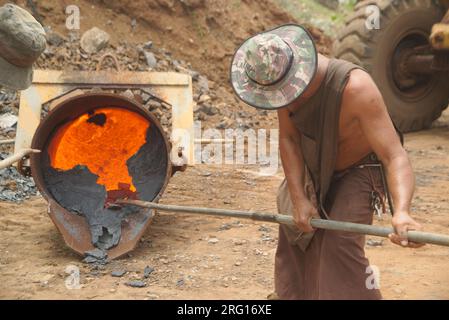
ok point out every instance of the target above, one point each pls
(414, 236)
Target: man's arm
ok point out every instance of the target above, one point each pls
(293, 164)
(365, 103)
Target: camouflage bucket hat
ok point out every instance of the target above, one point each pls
(272, 69)
(22, 40)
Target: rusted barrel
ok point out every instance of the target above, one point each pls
(96, 148)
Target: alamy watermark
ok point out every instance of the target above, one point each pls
(373, 280)
(238, 146)
(72, 281)
(72, 21)
(372, 21)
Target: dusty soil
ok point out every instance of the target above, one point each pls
(204, 33)
(33, 256)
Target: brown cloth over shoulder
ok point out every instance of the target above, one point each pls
(327, 264)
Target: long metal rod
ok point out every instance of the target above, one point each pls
(16, 157)
(414, 236)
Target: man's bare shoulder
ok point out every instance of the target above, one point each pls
(361, 93)
(360, 83)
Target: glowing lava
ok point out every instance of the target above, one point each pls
(102, 141)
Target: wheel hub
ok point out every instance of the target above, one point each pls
(410, 79)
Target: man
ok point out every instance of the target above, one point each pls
(336, 138)
(22, 40)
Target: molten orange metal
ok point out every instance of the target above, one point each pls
(102, 146)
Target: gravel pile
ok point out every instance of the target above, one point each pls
(14, 186)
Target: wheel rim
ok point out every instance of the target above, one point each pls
(408, 86)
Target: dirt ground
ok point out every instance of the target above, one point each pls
(239, 263)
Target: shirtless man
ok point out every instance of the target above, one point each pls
(336, 137)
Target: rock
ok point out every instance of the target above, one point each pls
(163, 64)
(8, 120)
(45, 280)
(180, 283)
(266, 237)
(151, 59)
(94, 40)
(208, 109)
(243, 115)
(213, 240)
(55, 39)
(238, 263)
(158, 113)
(136, 284)
(225, 226)
(194, 74)
(128, 94)
(204, 98)
(203, 84)
(200, 117)
(118, 273)
(95, 256)
(250, 183)
(224, 124)
(13, 186)
(153, 105)
(239, 242)
(90, 260)
(147, 271)
(145, 97)
(398, 290)
(264, 229)
(166, 106)
(148, 45)
(374, 243)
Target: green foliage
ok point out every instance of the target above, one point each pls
(312, 12)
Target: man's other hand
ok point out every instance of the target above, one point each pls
(402, 223)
